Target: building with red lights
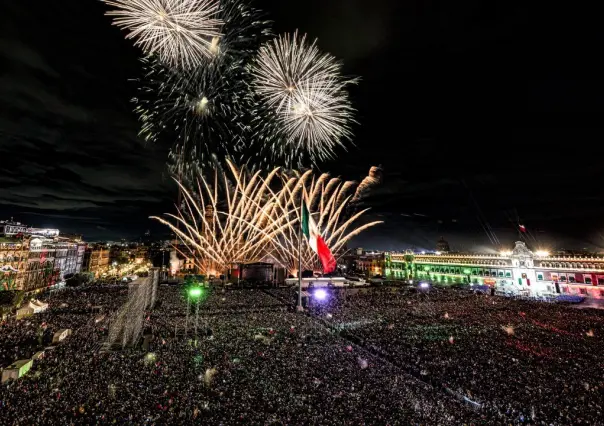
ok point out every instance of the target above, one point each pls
(517, 272)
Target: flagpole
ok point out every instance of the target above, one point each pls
(300, 253)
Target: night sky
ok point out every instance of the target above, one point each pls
(482, 114)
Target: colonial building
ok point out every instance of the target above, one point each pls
(519, 271)
(442, 246)
(96, 260)
(68, 257)
(40, 270)
(369, 263)
(33, 258)
(13, 262)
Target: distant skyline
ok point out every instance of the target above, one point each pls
(481, 116)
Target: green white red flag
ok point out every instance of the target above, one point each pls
(316, 242)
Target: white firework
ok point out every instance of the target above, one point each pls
(180, 32)
(327, 199)
(287, 63)
(234, 219)
(304, 92)
(319, 118)
(243, 218)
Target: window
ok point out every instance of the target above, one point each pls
(500, 273)
(600, 281)
(539, 277)
(562, 278)
(571, 279)
(587, 279)
(508, 274)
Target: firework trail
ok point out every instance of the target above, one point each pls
(328, 199)
(242, 217)
(234, 219)
(180, 32)
(305, 111)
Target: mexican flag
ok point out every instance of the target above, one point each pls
(311, 231)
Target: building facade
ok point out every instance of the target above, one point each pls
(34, 258)
(68, 258)
(519, 271)
(370, 264)
(96, 260)
(40, 269)
(13, 262)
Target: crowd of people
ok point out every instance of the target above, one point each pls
(358, 357)
(518, 360)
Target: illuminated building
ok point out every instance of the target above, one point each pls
(40, 271)
(34, 258)
(13, 261)
(519, 271)
(81, 250)
(68, 257)
(96, 260)
(11, 228)
(369, 263)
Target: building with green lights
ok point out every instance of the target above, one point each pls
(519, 271)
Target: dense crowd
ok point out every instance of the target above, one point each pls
(518, 360)
(375, 357)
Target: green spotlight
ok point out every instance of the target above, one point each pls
(195, 292)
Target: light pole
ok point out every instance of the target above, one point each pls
(194, 293)
(196, 318)
(187, 320)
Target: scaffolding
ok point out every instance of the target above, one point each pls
(127, 323)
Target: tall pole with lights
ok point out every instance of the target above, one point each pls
(194, 293)
(187, 319)
(300, 252)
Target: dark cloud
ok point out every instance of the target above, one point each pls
(70, 138)
(480, 116)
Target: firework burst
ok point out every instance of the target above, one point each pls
(242, 217)
(302, 91)
(204, 109)
(328, 199)
(232, 220)
(181, 32)
(245, 29)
